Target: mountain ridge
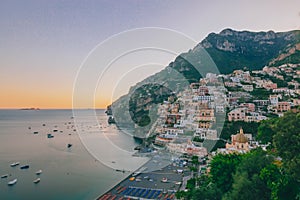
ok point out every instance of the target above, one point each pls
(232, 49)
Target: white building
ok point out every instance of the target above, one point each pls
(209, 134)
(273, 99)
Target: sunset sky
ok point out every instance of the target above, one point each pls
(43, 43)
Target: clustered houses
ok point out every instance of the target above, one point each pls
(184, 125)
(279, 100)
(186, 148)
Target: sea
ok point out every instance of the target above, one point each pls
(78, 172)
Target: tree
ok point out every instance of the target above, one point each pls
(254, 161)
(266, 131)
(233, 127)
(274, 179)
(257, 174)
(206, 190)
(222, 169)
(195, 160)
(210, 191)
(287, 142)
(242, 188)
(247, 184)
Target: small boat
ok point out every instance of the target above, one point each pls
(5, 176)
(38, 172)
(69, 145)
(24, 167)
(14, 164)
(37, 180)
(12, 182)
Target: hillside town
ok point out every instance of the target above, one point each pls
(192, 127)
(192, 123)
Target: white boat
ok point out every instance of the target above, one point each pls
(14, 164)
(4, 176)
(37, 180)
(12, 182)
(38, 172)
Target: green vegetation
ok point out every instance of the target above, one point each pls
(234, 89)
(293, 59)
(266, 131)
(260, 93)
(287, 142)
(234, 127)
(246, 51)
(279, 82)
(272, 174)
(142, 99)
(198, 139)
(222, 170)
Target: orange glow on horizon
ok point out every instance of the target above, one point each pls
(12, 98)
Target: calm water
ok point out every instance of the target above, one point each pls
(67, 173)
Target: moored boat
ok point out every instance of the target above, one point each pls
(12, 182)
(5, 176)
(24, 167)
(38, 172)
(14, 164)
(37, 180)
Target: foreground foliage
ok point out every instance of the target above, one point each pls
(272, 174)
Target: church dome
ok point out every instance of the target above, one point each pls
(241, 138)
